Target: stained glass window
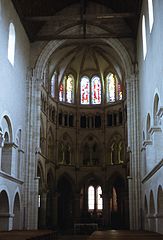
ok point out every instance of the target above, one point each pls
(111, 83)
(69, 89)
(91, 198)
(119, 87)
(61, 92)
(99, 198)
(85, 90)
(53, 85)
(113, 88)
(96, 90)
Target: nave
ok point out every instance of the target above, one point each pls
(115, 234)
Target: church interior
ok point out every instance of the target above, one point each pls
(81, 115)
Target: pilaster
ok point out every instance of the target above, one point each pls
(133, 145)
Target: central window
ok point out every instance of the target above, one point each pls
(95, 201)
(90, 90)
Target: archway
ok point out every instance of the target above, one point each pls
(4, 211)
(152, 212)
(65, 204)
(16, 211)
(50, 200)
(118, 203)
(146, 226)
(160, 209)
(91, 190)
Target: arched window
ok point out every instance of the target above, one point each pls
(155, 110)
(91, 198)
(144, 37)
(66, 89)
(11, 43)
(52, 87)
(61, 92)
(150, 14)
(113, 88)
(95, 201)
(85, 90)
(69, 89)
(99, 198)
(0, 9)
(96, 90)
(148, 125)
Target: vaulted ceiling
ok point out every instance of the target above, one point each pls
(79, 19)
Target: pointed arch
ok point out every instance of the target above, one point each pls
(160, 200)
(85, 90)
(151, 204)
(155, 110)
(148, 126)
(96, 90)
(70, 88)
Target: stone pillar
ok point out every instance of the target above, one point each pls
(133, 145)
(106, 209)
(33, 144)
(77, 207)
(42, 215)
(55, 210)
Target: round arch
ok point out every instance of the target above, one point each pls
(50, 48)
(4, 211)
(17, 212)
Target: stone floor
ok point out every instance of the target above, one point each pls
(124, 235)
(98, 235)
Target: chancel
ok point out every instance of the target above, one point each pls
(81, 116)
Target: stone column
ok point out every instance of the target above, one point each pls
(55, 210)
(42, 220)
(106, 209)
(77, 207)
(32, 149)
(133, 145)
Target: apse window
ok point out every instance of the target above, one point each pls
(144, 37)
(85, 90)
(150, 13)
(113, 89)
(53, 85)
(11, 43)
(66, 89)
(90, 90)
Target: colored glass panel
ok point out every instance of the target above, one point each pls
(85, 90)
(111, 83)
(61, 92)
(96, 90)
(69, 89)
(119, 92)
